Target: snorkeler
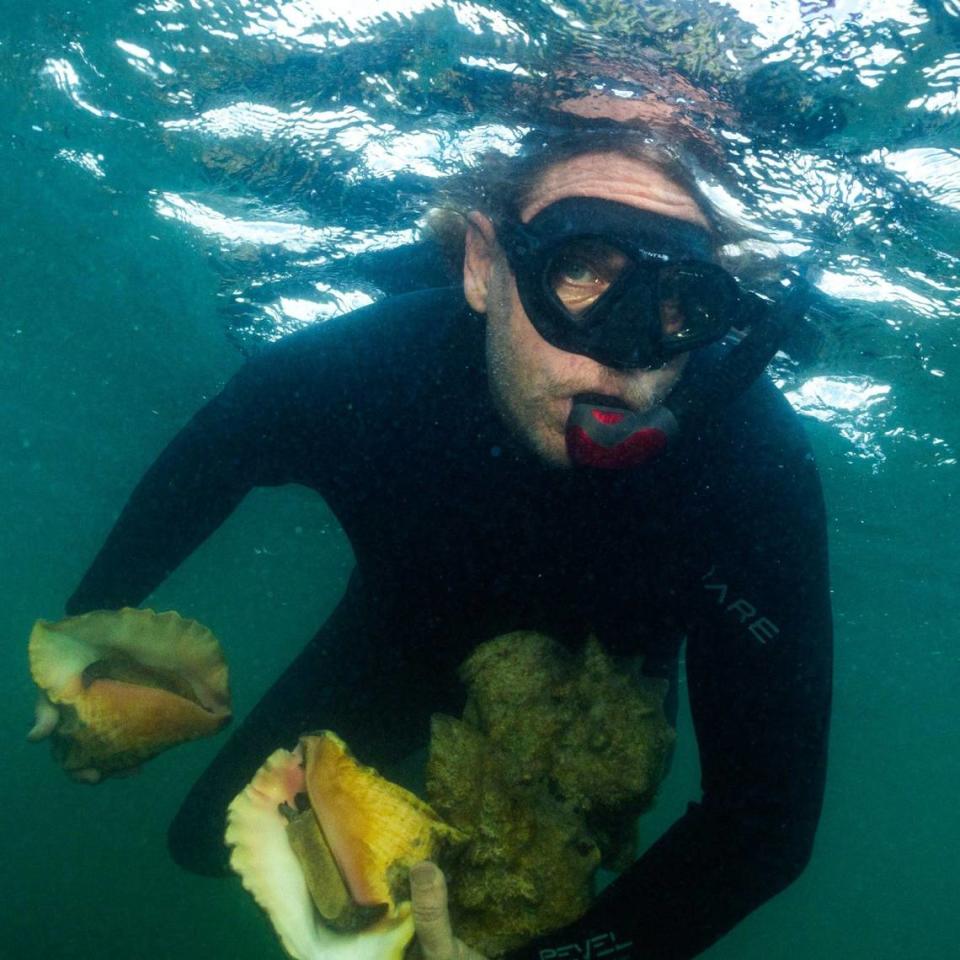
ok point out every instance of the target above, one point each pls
(565, 442)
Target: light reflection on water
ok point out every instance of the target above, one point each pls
(280, 142)
(283, 114)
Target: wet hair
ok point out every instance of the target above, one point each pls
(499, 185)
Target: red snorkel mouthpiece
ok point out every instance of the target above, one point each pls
(613, 438)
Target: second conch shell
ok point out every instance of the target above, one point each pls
(325, 845)
(128, 684)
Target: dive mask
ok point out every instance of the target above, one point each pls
(627, 287)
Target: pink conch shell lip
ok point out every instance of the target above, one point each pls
(128, 683)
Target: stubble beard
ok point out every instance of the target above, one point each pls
(523, 405)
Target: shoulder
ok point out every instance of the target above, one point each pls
(424, 318)
(758, 468)
(761, 430)
(771, 516)
(385, 341)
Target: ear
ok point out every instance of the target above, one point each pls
(478, 260)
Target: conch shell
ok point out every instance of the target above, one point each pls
(325, 845)
(128, 684)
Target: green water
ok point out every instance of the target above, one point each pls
(113, 330)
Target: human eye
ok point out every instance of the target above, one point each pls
(583, 273)
(577, 272)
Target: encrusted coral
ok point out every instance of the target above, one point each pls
(554, 758)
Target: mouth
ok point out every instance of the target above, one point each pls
(601, 400)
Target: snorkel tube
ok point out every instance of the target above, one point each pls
(612, 438)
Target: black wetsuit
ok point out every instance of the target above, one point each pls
(460, 535)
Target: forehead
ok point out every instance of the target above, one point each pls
(613, 176)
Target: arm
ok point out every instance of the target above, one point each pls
(308, 410)
(237, 441)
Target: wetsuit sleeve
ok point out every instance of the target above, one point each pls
(244, 437)
(315, 408)
(759, 671)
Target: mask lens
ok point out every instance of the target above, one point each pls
(695, 301)
(582, 270)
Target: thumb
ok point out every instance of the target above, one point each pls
(428, 893)
(45, 720)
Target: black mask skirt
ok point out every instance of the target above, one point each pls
(627, 287)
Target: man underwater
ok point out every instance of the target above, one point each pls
(567, 443)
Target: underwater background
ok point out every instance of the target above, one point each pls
(181, 180)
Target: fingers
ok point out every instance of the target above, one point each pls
(46, 719)
(428, 893)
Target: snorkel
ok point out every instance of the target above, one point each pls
(611, 437)
(632, 289)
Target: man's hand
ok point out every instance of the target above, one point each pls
(428, 892)
(46, 719)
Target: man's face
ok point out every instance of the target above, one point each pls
(533, 383)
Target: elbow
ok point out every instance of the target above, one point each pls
(769, 846)
(784, 854)
(792, 860)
